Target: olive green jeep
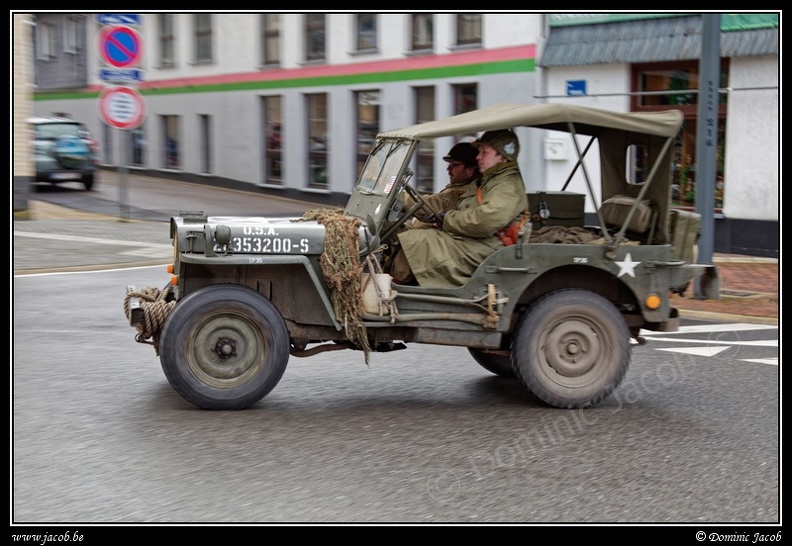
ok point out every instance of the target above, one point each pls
(560, 310)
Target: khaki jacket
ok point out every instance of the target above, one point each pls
(448, 257)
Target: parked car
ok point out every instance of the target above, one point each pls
(64, 151)
(560, 314)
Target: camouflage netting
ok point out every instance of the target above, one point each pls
(342, 270)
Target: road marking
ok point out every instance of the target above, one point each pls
(700, 351)
(755, 343)
(771, 361)
(736, 327)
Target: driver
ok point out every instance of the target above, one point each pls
(446, 257)
(462, 170)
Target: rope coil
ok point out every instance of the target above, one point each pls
(155, 309)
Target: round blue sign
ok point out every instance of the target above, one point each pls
(120, 46)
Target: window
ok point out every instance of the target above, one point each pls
(139, 146)
(314, 37)
(45, 41)
(468, 29)
(422, 31)
(465, 100)
(273, 170)
(166, 41)
(205, 124)
(368, 118)
(424, 167)
(317, 141)
(270, 39)
(170, 152)
(71, 36)
(660, 86)
(203, 37)
(366, 31)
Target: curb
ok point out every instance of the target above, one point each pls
(711, 315)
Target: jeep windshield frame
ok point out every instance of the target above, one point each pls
(617, 135)
(375, 199)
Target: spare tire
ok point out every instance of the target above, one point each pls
(72, 152)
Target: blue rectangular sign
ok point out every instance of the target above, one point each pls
(121, 75)
(119, 18)
(575, 88)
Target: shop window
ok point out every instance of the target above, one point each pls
(674, 85)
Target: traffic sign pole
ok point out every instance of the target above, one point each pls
(121, 47)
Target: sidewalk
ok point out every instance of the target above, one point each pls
(52, 238)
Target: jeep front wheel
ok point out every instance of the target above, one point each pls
(571, 348)
(224, 347)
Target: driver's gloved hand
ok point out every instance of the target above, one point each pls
(437, 219)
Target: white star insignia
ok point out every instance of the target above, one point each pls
(627, 266)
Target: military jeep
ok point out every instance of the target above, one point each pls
(559, 313)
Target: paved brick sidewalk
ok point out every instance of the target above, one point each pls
(749, 287)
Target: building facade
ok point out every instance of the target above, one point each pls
(289, 103)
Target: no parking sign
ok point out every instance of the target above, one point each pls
(122, 107)
(120, 46)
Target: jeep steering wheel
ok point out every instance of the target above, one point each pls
(412, 192)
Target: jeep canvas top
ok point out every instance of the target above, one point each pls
(559, 310)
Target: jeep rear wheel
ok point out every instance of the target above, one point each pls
(224, 347)
(571, 348)
(498, 364)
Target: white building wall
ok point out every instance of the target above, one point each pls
(752, 136)
(236, 116)
(606, 88)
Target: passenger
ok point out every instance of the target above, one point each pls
(446, 257)
(462, 170)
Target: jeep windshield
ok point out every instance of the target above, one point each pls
(375, 198)
(383, 166)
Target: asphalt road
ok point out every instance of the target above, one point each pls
(423, 435)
